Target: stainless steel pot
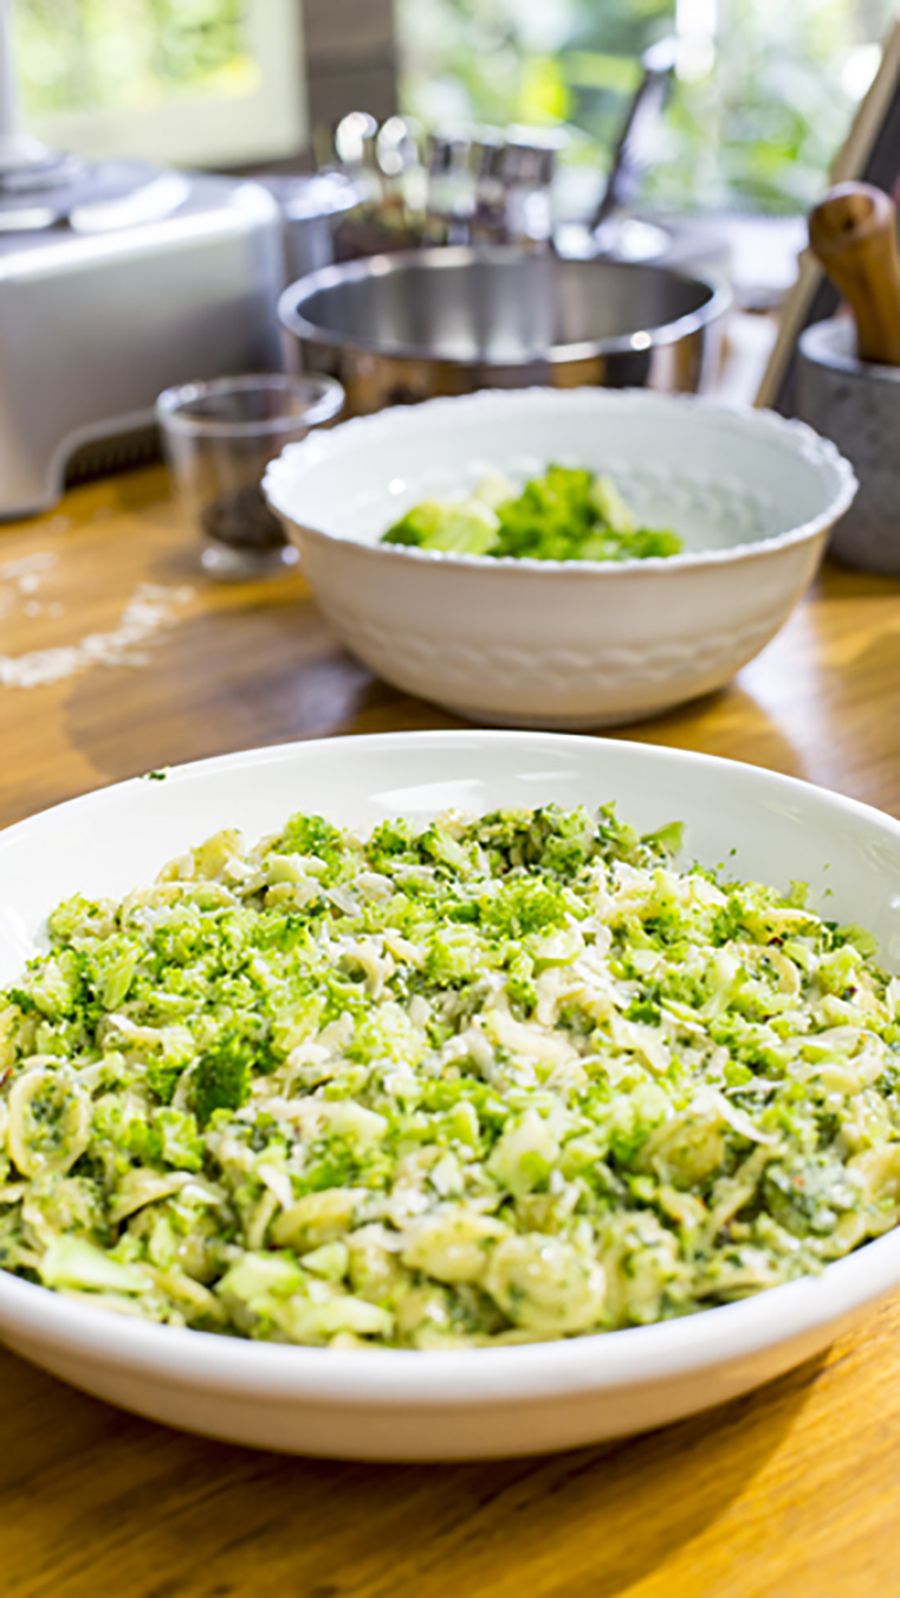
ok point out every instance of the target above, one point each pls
(311, 206)
(402, 328)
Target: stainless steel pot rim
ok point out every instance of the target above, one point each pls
(448, 257)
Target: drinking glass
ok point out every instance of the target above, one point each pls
(218, 437)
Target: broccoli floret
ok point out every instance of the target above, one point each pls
(311, 835)
(567, 514)
(455, 954)
(610, 506)
(464, 527)
(618, 841)
(666, 840)
(550, 516)
(392, 843)
(180, 1143)
(570, 842)
(523, 906)
(221, 1078)
(417, 525)
(23, 999)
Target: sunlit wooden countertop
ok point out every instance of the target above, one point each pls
(792, 1492)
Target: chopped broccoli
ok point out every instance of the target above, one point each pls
(568, 514)
(480, 1077)
(221, 1078)
(463, 527)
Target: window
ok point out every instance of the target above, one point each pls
(210, 82)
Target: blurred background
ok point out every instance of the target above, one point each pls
(761, 99)
(649, 161)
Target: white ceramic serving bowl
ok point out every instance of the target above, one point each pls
(399, 1404)
(552, 643)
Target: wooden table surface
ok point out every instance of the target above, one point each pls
(791, 1492)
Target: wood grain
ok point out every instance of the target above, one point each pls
(792, 1492)
(853, 233)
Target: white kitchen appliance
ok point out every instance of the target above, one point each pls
(117, 280)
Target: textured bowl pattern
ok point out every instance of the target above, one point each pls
(644, 674)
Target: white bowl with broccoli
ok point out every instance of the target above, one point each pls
(670, 546)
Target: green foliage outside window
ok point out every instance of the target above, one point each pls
(76, 55)
(754, 126)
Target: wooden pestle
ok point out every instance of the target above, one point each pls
(853, 232)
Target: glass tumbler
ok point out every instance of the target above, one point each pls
(218, 438)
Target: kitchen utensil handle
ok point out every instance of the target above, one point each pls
(853, 232)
